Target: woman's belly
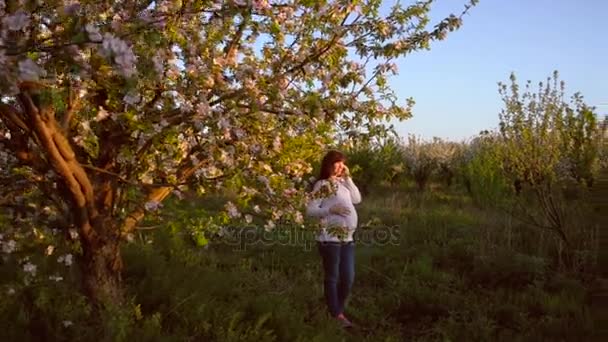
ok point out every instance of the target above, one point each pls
(349, 221)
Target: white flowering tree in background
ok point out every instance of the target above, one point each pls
(425, 158)
(446, 153)
(109, 107)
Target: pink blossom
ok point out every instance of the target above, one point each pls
(298, 218)
(261, 5)
(116, 22)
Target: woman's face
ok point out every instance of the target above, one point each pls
(338, 169)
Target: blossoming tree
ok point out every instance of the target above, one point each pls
(109, 107)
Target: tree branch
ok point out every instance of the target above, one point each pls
(14, 120)
(140, 184)
(73, 106)
(234, 44)
(156, 195)
(62, 157)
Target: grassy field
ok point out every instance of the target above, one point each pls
(429, 267)
(449, 272)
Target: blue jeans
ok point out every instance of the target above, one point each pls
(339, 269)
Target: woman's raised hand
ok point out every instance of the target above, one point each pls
(345, 171)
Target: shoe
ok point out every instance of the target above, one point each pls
(344, 321)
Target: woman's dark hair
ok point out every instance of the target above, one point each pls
(327, 164)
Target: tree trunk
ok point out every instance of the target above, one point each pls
(101, 267)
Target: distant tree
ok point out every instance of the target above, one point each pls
(547, 143)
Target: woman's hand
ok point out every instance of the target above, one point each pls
(345, 171)
(339, 209)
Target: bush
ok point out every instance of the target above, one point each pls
(479, 167)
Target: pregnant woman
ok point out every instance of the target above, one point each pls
(333, 198)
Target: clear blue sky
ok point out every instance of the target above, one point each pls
(455, 83)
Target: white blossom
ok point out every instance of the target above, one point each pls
(131, 98)
(233, 212)
(210, 172)
(9, 246)
(67, 323)
(298, 217)
(30, 268)
(223, 123)
(56, 278)
(130, 237)
(79, 140)
(72, 8)
(49, 250)
(17, 21)
(159, 66)
(68, 259)
(276, 144)
(102, 114)
(147, 178)
(93, 33)
(152, 205)
(73, 234)
(65, 259)
(269, 225)
(121, 52)
(248, 218)
(146, 16)
(30, 71)
(11, 291)
(178, 194)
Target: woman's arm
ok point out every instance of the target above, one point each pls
(355, 195)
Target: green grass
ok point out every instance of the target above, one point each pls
(449, 275)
